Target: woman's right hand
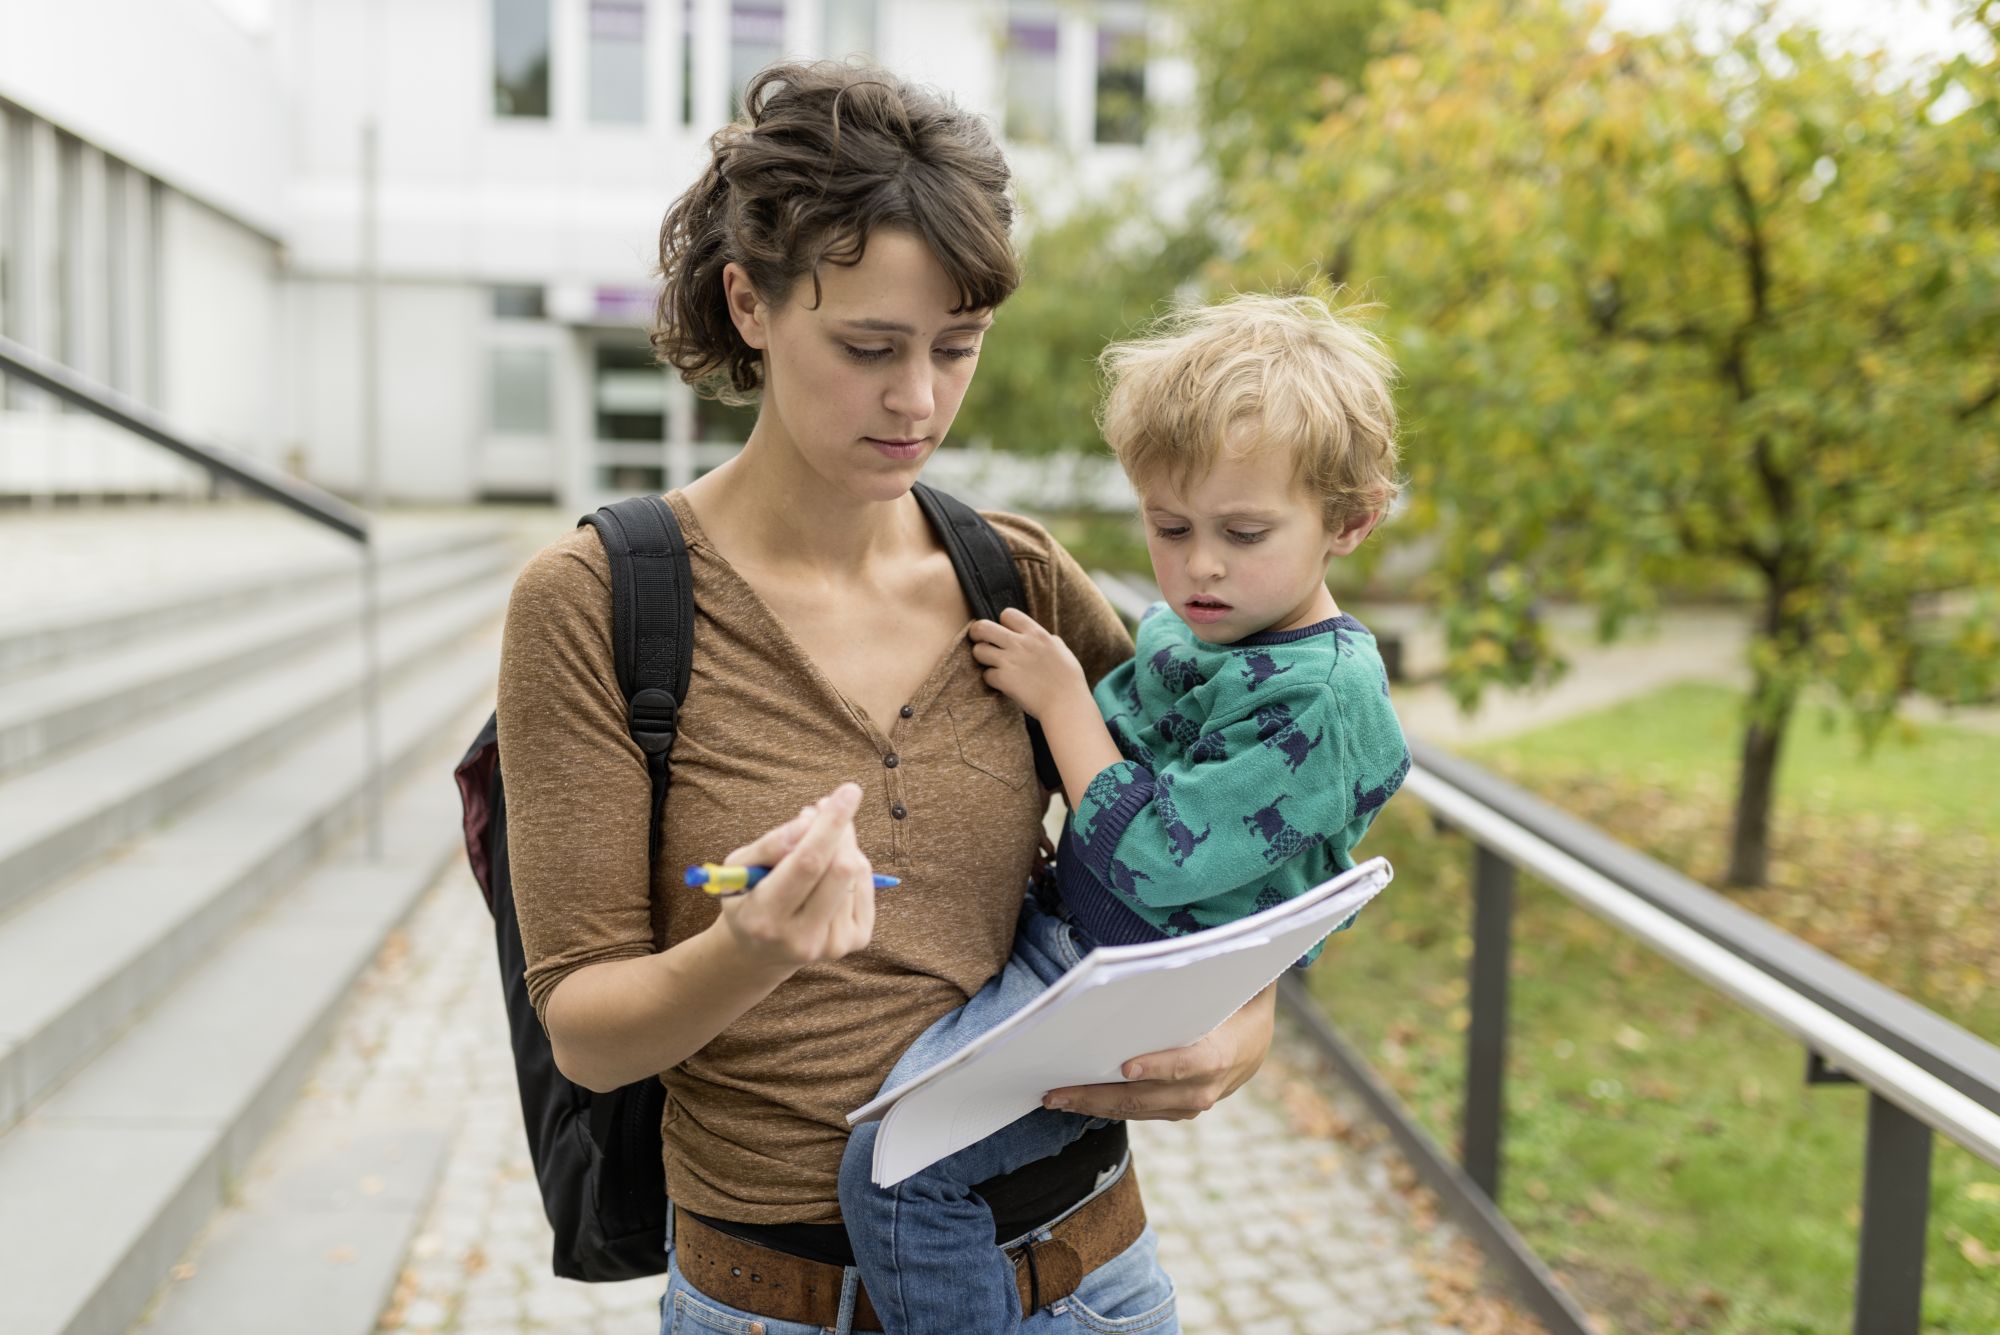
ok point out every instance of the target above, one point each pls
(818, 902)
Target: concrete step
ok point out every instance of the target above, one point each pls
(65, 704)
(109, 1180)
(320, 1235)
(79, 963)
(33, 638)
(76, 808)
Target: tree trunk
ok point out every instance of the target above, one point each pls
(1750, 840)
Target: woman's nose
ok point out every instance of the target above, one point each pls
(910, 396)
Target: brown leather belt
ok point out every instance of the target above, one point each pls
(784, 1287)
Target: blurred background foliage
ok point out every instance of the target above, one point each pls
(1675, 315)
(1096, 275)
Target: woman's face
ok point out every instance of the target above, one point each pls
(864, 385)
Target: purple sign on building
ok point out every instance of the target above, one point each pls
(1036, 37)
(625, 305)
(620, 20)
(761, 24)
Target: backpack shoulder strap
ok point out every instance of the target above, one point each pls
(991, 581)
(652, 627)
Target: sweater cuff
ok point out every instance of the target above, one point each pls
(1096, 907)
(1114, 799)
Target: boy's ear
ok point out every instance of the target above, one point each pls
(1355, 532)
(745, 310)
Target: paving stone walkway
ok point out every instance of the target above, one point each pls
(1278, 1214)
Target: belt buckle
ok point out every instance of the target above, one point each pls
(1054, 1270)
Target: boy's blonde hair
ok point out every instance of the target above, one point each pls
(1254, 370)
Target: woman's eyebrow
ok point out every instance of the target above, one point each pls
(892, 327)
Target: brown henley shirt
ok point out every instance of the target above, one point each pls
(756, 1121)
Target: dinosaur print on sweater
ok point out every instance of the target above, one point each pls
(1249, 773)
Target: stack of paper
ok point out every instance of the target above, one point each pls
(1119, 1003)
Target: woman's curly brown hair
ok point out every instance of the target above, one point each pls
(822, 155)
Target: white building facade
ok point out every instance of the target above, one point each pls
(403, 248)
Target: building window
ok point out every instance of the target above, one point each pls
(687, 62)
(1121, 80)
(12, 229)
(1029, 78)
(65, 332)
(519, 301)
(756, 38)
(521, 58)
(117, 278)
(618, 61)
(521, 398)
(152, 255)
(718, 423)
(631, 393)
(847, 28)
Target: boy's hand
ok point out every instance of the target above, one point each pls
(1029, 666)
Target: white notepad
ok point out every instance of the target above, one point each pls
(1120, 1002)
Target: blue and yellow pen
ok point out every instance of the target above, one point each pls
(716, 879)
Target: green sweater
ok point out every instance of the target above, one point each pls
(1251, 770)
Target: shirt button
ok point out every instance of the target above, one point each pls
(891, 760)
(907, 712)
(899, 811)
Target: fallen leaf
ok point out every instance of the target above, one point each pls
(343, 1255)
(1977, 1252)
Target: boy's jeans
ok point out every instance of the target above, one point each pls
(925, 1246)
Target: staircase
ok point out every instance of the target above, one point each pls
(185, 894)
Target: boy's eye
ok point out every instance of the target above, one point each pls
(866, 354)
(1244, 537)
(1161, 531)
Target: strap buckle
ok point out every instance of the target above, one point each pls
(653, 716)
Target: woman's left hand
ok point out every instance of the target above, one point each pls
(1184, 1082)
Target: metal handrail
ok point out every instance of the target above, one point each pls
(1860, 1055)
(1924, 1074)
(45, 373)
(258, 478)
(1960, 1059)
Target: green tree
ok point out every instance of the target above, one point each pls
(1660, 306)
(1264, 76)
(1096, 275)
(1103, 271)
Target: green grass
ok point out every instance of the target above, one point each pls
(1663, 1150)
(1688, 736)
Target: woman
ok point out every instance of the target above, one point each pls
(839, 262)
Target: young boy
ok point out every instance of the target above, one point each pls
(1234, 762)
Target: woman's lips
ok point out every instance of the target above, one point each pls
(899, 449)
(1205, 609)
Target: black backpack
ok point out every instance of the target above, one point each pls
(598, 1156)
